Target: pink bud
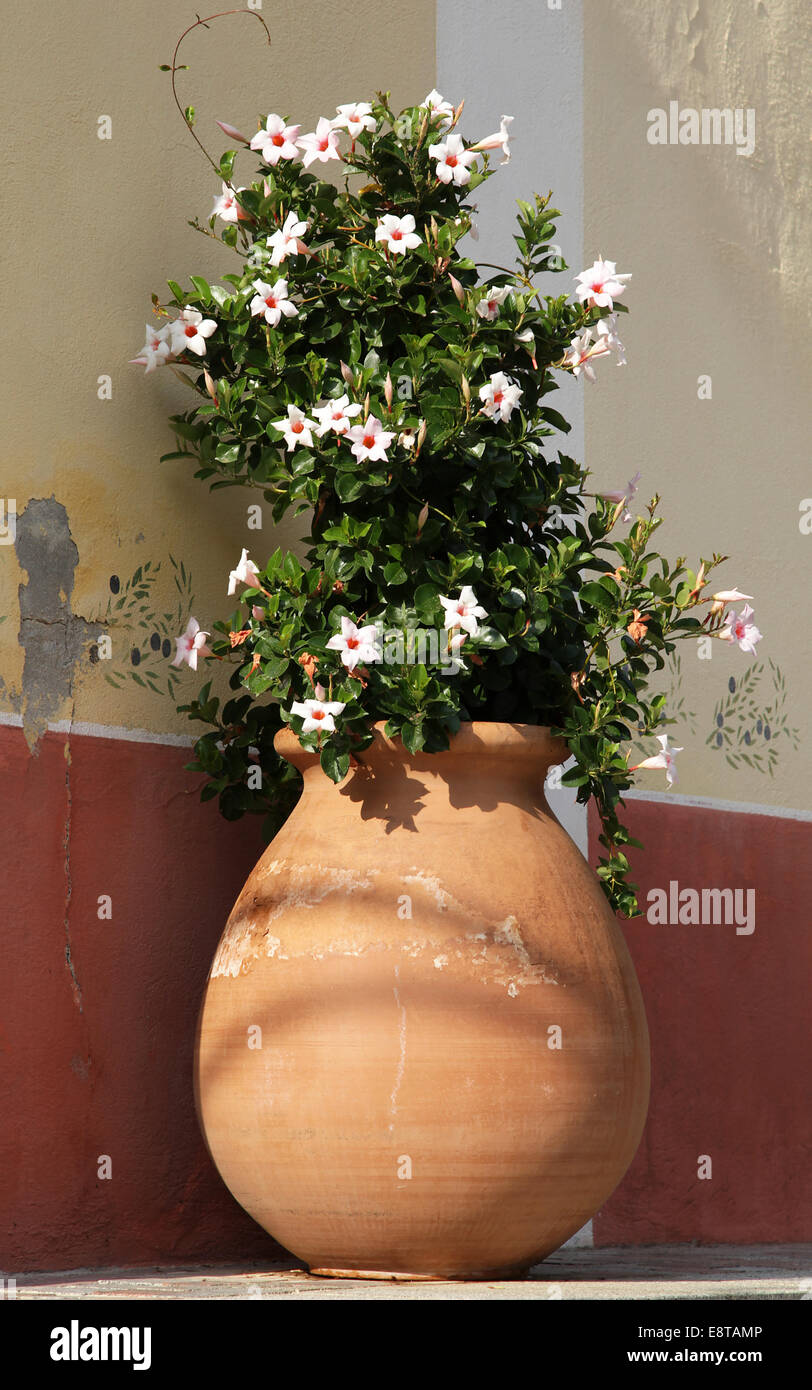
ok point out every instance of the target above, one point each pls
(257, 613)
(347, 374)
(387, 390)
(457, 288)
(233, 134)
(319, 691)
(422, 518)
(421, 436)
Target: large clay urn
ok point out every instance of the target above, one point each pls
(422, 1049)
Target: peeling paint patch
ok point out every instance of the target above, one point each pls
(54, 639)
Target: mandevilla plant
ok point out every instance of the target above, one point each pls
(356, 368)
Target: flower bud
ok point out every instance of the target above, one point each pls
(210, 386)
(423, 517)
(421, 436)
(347, 374)
(466, 389)
(232, 133)
(457, 288)
(387, 390)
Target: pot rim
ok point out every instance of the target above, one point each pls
(510, 742)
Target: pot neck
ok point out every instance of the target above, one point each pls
(524, 751)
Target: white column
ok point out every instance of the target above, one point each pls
(524, 58)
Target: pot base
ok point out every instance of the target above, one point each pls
(404, 1275)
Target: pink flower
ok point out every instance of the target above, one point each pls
(296, 429)
(356, 643)
(355, 117)
(157, 349)
(335, 415)
(285, 242)
(190, 645)
(488, 308)
(227, 208)
(500, 140)
(740, 629)
(370, 440)
(606, 329)
(453, 160)
(245, 573)
(271, 301)
(189, 332)
(439, 109)
(499, 397)
(625, 496)
(665, 758)
(398, 233)
(321, 143)
(601, 285)
(277, 141)
(463, 611)
(318, 715)
(580, 352)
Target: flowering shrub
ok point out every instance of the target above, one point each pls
(358, 369)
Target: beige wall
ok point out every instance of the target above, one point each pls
(90, 228)
(718, 245)
(716, 242)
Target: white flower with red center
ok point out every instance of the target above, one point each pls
(277, 141)
(227, 208)
(453, 160)
(320, 144)
(626, 496)
(296, 429)
(245, 573)
(582, 349)
(463, 611)
(601, 285)
(356, 644)
(318, 715)
(500, 140)
(488, 308)
(191, 644)
(285, 242)
(355, 117)
(157, 349)
(188, 332)
(336, 415)
(499, 397)
(607, 329)
(666, 759)
(741, 630)
(438, 107)
(407, 438)
(398, 233)
(370, 440)
(271, 302)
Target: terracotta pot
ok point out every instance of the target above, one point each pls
(453, 1072)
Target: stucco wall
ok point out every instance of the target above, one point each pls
(718, 246)
(91, 227)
